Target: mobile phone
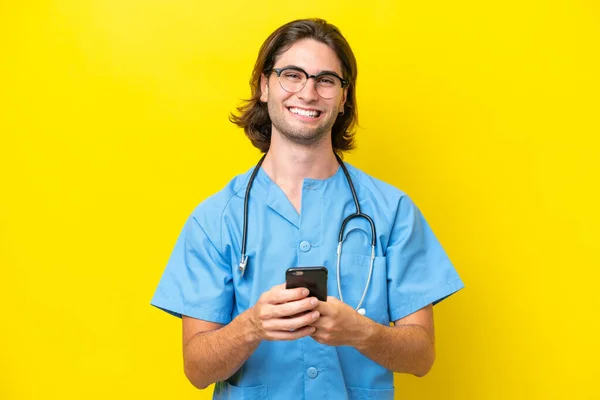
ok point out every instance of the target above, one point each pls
(312, 278)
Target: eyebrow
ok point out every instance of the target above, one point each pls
(318, 73)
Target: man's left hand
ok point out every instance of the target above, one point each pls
(339, 324)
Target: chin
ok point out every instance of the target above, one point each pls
(304, 136)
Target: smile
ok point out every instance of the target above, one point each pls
(305, 113)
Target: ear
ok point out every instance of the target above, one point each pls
(343, 100)
(264, 88)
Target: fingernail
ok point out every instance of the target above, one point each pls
(314, 302)
(305, 292)
(315, 315)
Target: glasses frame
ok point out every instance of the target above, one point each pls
(278, 71)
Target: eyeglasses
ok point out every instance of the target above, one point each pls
(293, 79)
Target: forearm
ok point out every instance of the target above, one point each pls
(214, 356)
(404, 348)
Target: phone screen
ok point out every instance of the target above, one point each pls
(312, 278)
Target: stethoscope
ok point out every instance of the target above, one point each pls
(357, 214)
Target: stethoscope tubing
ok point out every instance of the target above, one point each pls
(244, 259)
(358, 214)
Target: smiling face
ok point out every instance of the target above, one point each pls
(303, 117)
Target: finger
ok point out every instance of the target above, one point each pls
(325, 307)
(279, 287)
(288, 324)
(291, 308)
(291, 335)
(324, 323)
(281, 295)
(321, 338)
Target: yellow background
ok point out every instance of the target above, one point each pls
(114, 126)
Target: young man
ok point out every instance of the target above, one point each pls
(241, 327)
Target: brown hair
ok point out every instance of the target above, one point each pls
(253, 114)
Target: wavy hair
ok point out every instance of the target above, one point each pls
(253, 115)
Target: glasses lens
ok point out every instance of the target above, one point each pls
(291, 80)
(328, 86)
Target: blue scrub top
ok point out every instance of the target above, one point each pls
(202, 279)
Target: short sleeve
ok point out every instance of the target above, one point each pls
(197, 281)
(418, 270)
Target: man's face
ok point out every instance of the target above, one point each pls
(303, 117)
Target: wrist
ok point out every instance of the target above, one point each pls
(247, 327)
(367, 331)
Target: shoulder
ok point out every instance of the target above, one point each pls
(209, 212)
(393, 210)
(385, 195)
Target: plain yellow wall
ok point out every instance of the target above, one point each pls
(113, 121)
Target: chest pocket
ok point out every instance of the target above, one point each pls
(354, 274)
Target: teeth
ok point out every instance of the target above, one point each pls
(306, 113)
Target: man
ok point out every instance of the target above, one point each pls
(242, 329)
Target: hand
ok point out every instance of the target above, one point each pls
(284, 314)
(339, 324)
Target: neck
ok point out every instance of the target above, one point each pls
(288, 164)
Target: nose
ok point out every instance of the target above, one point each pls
(309, 91)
